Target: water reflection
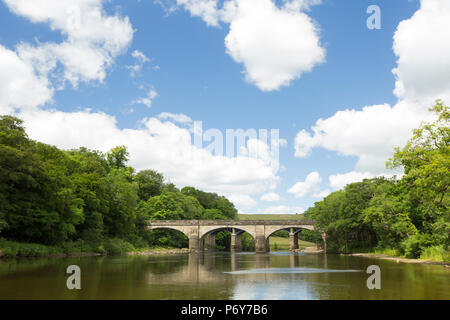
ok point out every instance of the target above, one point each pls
(275, 275)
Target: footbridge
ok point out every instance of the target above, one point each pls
(202, 233)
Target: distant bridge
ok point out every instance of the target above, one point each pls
(202, 233)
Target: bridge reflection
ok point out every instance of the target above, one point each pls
(210, 267)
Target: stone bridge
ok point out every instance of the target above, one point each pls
(202, 233)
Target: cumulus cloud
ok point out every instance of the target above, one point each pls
(422, 47)
(311, 184)
(271, 197)
(321, 194)
(206, 9)
(422, 75)
(92, 39)
(276, 45)
(339, 181)
(369, 134)
(242, 201)
(19, 86)
(157, 144)
(163, 143)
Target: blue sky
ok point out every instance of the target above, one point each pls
(191, 71)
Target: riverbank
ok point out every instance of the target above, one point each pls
(12, 249)
(151, 252)
(311, 249)
(398, 259)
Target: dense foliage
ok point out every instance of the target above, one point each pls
(83, 197)
(410, 215)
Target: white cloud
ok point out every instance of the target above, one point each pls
(370, 134)
(423, 50)
(19, 86)
(422, 75)
(339, 181)
(321, 194)
(177, 117)
(141, 59)
(296, 5)
(276, 45)
(271, 197)
(160, 145)
(92, 39)
(147, 101)
(206, 9)
(85, 54)
(242, 201)
(311, 184)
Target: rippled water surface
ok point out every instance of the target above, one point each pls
(276, 275)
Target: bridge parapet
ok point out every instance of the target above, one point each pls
(230, 222)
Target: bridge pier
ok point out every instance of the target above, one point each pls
(324, 238)
(210, 242)
(236, 241)
(195, 243)
(261, 244)
(293, 240)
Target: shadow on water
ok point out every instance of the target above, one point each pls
(220, 275)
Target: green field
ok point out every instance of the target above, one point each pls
(270, 216)
(282, 244)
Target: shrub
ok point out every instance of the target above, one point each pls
(413, 246)
(17, 249)
(436, 253)
(118, 246)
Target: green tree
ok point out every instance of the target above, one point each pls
(150, 183)
(123, 198)
(88, 172)
(118, 157)
(426, 163)
(37, 202)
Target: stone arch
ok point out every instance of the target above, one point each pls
(207, 236)
(269, 230)
(180, 229)
(205, 230)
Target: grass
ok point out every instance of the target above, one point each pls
(15, 249)
(388, 252)
(12, 249)
(282, 244)
(270, 216)
(435, 253)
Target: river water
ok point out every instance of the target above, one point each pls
(276, 275)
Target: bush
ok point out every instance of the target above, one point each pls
(413, 246)
(118, 246)
(436, 253)
(17, 249)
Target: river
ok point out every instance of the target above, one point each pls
(276, 275)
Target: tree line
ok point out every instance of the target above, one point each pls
(409, 215)
(57, 197)
(53, 197)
